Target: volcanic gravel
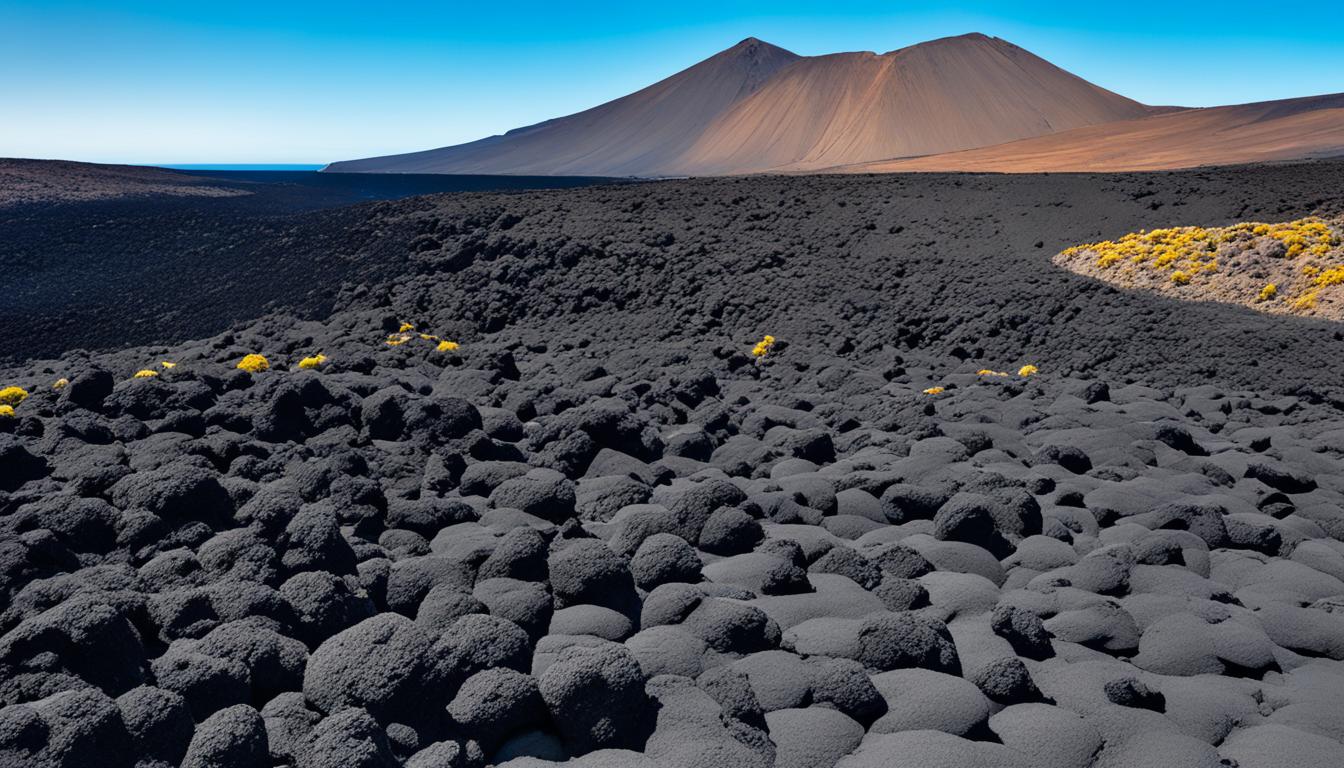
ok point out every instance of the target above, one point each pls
(602, 531)
(121, 261)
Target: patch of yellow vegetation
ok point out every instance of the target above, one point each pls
(6, 411)
(447, 346)
(1229, 264)
(1305, 302)
(988, 372)
(1331, 276)
(60, 383)
(309, 363)
(763, 346)
(1028, 370)
(12, 396)
(146, 373)
(254, 363)
(935, 390)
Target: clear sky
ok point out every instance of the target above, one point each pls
(246, 81)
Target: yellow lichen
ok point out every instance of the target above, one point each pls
(12, 396)
(309, 363)
(254, 363)
(147, 373)
(447, 346)
(1027, 370)
(935, 390)
(763, 346)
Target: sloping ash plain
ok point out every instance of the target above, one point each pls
(533, 497)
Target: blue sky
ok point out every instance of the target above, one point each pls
(158, 81)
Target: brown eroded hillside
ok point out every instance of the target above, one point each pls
(941, 96)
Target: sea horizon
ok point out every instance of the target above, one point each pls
(241, 166)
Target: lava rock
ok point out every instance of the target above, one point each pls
(595, 696)
(235, 737)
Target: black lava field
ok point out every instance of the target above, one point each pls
(511, 487)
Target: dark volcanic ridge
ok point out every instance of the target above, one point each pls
(602, 529)
(28, 182)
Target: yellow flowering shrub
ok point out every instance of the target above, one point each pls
(1306, 301)
(1249, 263)
(406, 327)
(167, 365)
(1027, 370)
(1331, 276)
(147, 373)
(763, 346)
(935, 390)
(6, 411)
(309, 363)
(447, 346)
(60, 383)
(254, 363)
(12, 396)
(988, 372)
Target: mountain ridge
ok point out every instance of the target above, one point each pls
(965, 102)
(625, 136)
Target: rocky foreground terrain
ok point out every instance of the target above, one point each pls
(532, 498)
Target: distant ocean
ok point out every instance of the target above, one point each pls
(243, 167)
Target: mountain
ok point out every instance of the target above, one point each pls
(941, 96)
(756, 107)
(642, 134)
(966, 103)
(1290, 129)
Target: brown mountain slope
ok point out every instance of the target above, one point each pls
(945, 95)
(756, 108)
(1291, 129)
(637, 135)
